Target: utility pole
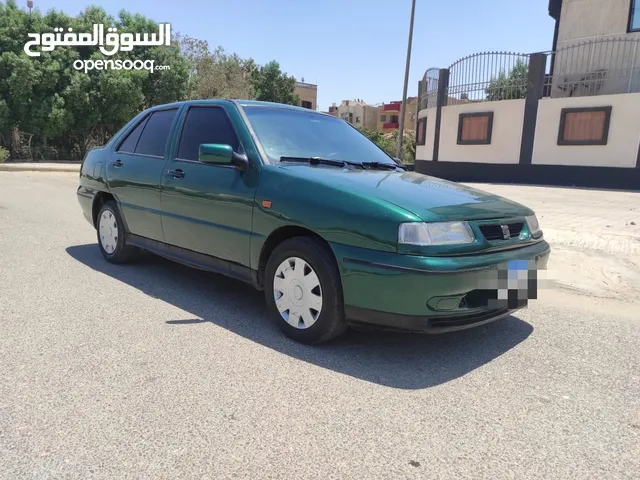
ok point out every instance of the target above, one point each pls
(403, 108)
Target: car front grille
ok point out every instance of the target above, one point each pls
(495, 231)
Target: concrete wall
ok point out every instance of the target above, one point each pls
(506, 135)
(425, 152)
(584, 20)
(621, 149)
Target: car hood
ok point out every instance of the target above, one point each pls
(430, 198)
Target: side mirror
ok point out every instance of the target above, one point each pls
(215, 153)
(219, 154)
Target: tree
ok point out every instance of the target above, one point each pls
(215, 74)
(28, 86)
(389, 143)
(64, 111)
(270, 84)
(511, 86)
(75, 110)
(99, 105)
(158, 87)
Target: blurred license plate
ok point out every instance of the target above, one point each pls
(518, 265)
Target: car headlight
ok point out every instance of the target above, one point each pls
(443, 233)
(532, 223)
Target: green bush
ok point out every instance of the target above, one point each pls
(4, 154)
(389, 141)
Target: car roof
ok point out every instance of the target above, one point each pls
(239, 102)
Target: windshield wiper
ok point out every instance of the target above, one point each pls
(382, 166)
(321, 161)
(343, 163)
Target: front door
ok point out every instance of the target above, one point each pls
(134, 171)
(208, 208)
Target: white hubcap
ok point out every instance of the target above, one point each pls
(108, 231)
(297, 292)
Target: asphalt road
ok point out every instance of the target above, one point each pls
(157, 371)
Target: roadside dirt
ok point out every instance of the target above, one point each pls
(594, 236)
(594, 273)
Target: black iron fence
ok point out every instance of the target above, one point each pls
(488, 76)
(600, 67)
(428, 88)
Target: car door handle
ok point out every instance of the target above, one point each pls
(175, 173)
(117, 163)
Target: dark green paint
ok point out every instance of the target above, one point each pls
(216, 209)
(215, 154)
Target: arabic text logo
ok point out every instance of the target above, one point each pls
(109, 44)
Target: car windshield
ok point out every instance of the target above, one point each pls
(292, 133)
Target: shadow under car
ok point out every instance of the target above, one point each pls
(398, 360)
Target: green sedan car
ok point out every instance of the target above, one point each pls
(304, 207)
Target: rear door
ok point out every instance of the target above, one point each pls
(208, 208)
(134, 171)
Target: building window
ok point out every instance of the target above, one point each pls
(383, 118)
(306, 104)
(475, 128)
(357, 119)
(421, 134)
(394, 119)
(634, 16)
(584, 126)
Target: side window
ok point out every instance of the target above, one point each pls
(129, 144)
(205, 125)
(156, 133)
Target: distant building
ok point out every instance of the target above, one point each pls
(308, 94)
(608, 62)
(587, 20)
(356, 112)
(389, 115)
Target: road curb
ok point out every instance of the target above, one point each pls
(39, 167)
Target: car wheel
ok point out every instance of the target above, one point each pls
(111, 235)
(304, 292)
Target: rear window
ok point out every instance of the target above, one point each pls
(130, 143)
(153, 140)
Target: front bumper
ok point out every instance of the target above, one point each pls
(435, 294)
(365, 318)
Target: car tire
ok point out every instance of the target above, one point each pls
(111, 235)
(303, 291)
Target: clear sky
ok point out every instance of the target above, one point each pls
(350, 48)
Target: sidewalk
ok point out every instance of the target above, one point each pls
(40, 167)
